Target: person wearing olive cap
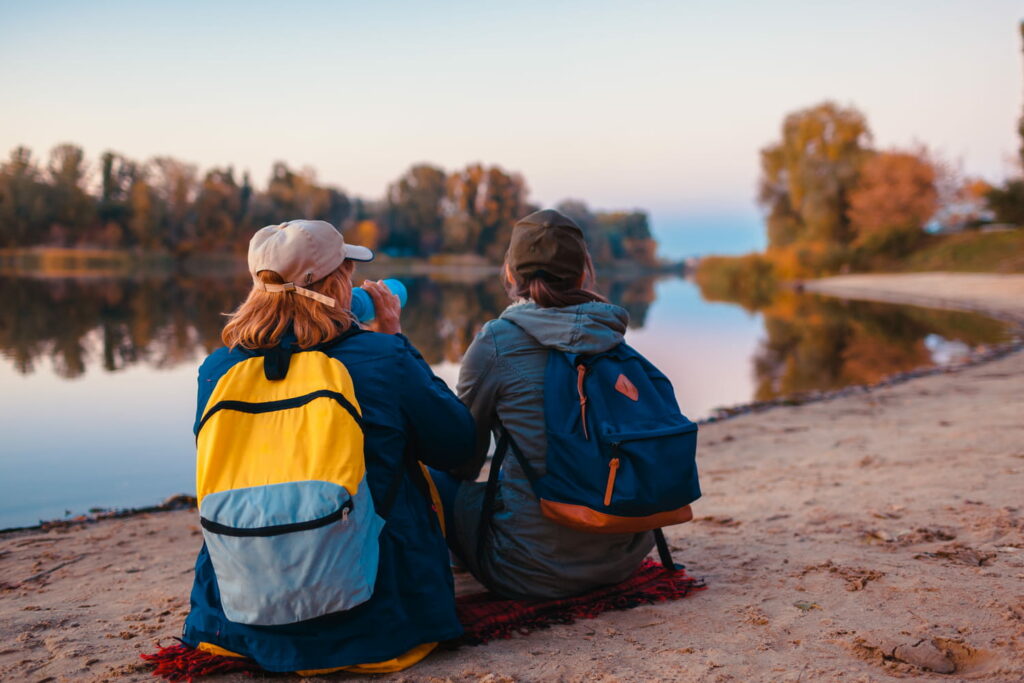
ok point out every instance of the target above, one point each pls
(297, 316)
(549, 275)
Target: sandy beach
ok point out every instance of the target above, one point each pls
(872, 537)
(999, 295)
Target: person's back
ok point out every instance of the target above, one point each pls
(521, 552)
(502, 378)
(413, 582)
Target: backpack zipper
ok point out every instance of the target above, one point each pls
(341, 514)
(581, 371)
(678, 428)
(613, 468)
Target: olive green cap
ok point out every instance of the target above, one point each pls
(547, 244)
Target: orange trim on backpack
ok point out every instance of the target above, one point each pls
(613, 467)
(582, 372)
(583, 518)
(627, 388)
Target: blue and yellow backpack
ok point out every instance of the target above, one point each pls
(286, 512)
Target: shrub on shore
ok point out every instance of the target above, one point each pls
(748, 280)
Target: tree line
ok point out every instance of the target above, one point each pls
(164, 204)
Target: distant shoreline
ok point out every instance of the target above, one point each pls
(75, 262)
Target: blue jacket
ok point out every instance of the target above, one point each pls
(405, 407)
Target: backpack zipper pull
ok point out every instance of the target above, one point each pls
(581, 370)
(613, 467)
(344, 515)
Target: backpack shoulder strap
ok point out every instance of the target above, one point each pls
(277, 359)
(505, 444)
(487, 509)
(411, 467)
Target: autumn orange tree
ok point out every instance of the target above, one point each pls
(807, 177)
(832, 201)
(481, 205)
(892, 201)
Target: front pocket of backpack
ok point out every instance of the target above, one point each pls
(650, 467)
(284, 553)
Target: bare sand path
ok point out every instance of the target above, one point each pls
(869, 538)
(1003, 294)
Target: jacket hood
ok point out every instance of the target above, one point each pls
(585, 328)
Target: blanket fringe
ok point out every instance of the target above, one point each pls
(183, 663)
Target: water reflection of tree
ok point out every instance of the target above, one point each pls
(635, 295)
(167, 320)
(815, 343)
(442, 317)
(159, 321)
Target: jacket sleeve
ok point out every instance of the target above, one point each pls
(478, 388)
(440, 427)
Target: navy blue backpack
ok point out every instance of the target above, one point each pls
(620, 455)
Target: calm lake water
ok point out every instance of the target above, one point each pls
(98, 374)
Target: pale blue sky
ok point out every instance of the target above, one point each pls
(656, 105)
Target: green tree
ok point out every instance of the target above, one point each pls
(148, 216)
(628, 235)
(291, 195)
(175, 183)
(24, 210)
(1007, 202)
(597, 239)
(73, 209)
(412, 213)
(806, 178)
(217, 209)
(461, 226)
(117, 175)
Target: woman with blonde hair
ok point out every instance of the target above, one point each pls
(323, 549)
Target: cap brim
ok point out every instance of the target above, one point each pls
(356, 253)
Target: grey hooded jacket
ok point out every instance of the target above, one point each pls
(502, 377)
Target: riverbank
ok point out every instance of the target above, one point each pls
(999, 295)
(96, 263)
(871, 537)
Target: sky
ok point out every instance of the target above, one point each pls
(655, 105)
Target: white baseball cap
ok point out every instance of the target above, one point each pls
(301, 252)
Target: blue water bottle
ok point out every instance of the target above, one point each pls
(362, 303)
